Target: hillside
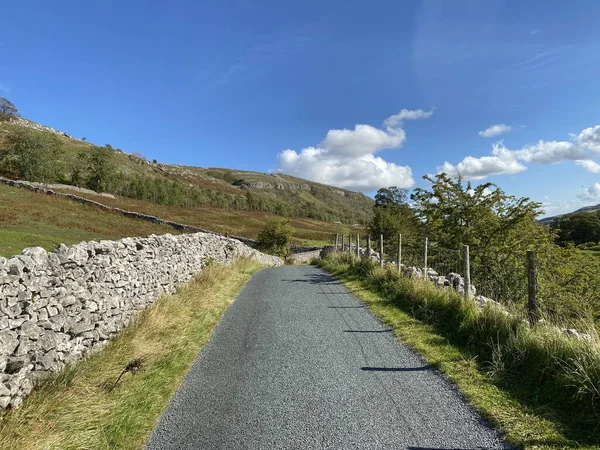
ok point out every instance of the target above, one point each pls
(226, 201)
(216, 187)
(585, 209)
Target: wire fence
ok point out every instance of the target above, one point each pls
(558, 285)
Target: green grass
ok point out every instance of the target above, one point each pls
(31, 219)
(537, 387)
(77, 409)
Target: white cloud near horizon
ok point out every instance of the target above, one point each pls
(591, 194)
(495, 130)
(502, 162)
(346, 158)
(505, 161)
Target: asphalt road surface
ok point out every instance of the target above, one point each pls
(299, 363)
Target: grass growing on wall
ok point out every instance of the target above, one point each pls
(541, 389)
(78, 409)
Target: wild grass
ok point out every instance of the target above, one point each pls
(228, 221)
(78, 409)
(540, 388)
(31, 219)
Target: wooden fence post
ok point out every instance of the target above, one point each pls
(358, 245)
(350, 244)
(467, 272)
(343, 242)
(337, 236)
(368, 246)
(425, 260)
(532, 301)
(381, 250)
(399, 253)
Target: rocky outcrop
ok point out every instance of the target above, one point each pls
(58, 307)
(267, 185)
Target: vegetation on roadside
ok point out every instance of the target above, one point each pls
(275, 237)
(539, 387)
(499, 230)
(82, 407)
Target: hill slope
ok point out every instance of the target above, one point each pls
(223, 200)
(217, 187)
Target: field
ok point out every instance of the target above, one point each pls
(29, 219)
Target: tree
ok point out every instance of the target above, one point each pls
(275, 237)
(7, 109)
(33, 156)
(499, 228)
(97, 168)
(578, 228)
(392, 215)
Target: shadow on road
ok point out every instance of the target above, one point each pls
(318, 278)
(344, 307)
(369, 331)
(396, 369)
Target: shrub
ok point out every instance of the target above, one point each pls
(275, 237)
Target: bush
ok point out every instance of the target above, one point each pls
(275, 237)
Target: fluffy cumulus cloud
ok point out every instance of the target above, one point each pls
(589, 139)
(502, 162)
(548, 152)
(592, 193)
(495, 130)
(346, 158)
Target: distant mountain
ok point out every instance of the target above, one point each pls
(585, 209)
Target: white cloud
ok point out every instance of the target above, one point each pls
(502, 162)
(589, 139)
(588, 164)
(363, 140)
(346, 158)
(548, 152)
(366, 173)
(407, 114)
(592, 193)
(495, 130)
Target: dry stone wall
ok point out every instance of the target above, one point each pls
(58, 307)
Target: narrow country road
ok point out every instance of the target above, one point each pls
(299, 363)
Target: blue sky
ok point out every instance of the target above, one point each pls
(317, 88)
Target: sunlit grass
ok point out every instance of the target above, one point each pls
(540, 388)
(78, 409)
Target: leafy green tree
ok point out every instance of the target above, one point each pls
(33, 156)
(392, 215)
(499, 228)
(97, 168)
(275, 237)
(7, 109)
(578, 228)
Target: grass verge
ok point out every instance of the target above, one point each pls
(78, 410)
(537, 387)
